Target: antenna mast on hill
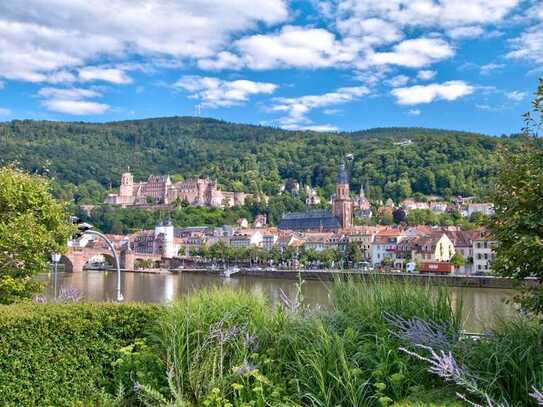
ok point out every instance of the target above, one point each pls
(198, 109)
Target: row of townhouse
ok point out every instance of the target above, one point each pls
(380, 245)
(466, 209)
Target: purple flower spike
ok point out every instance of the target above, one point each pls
(420, 332)
(245, 368)
(291, 305)
(538, 396)
(40, 299)
(69, 295)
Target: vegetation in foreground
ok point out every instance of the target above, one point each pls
(32, 226)
(379, 344)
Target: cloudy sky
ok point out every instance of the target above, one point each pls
(299, 64)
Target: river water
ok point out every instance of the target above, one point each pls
(480, 304)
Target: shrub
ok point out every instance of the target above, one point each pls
(55, 355)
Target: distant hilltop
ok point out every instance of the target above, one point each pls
(88, 158)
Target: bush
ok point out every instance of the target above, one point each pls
(55, 355)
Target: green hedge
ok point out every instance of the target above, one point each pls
(55, 355)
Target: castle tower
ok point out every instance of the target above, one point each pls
(342, 205)
(126, 190)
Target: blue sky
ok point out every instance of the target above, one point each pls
(301, 64)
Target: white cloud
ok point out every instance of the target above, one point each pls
(306, 47)
(296, 47)
(428, 13)
(40, 37)
(113, 75)
(68, 93)
(397, 81)
(75, 107)
(465, 32)
(371, 31)
(487, 69)
(315, 127)
(426, 75)
(529, 45)
(72, 101)
(419, 94)
(414, 53)
(414, 112)
(296, 109)
(223, 60)
(4, 112)
(214, 92)
(515, 95)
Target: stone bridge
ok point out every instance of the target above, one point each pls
(77, 257)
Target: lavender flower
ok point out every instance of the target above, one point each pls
(293, 305)
(538, 396)
(223, 335)
(69, 295)
(445, 366)
(245, 368)
(40, 299)
(249, 339)
(417, 331)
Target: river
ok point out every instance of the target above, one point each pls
(480, 304)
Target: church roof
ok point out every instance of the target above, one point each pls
(309, 220)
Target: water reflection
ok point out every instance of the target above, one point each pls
(479, 304)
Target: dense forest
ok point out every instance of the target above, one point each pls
(86, 159)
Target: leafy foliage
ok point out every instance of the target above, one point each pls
(518, 199)
(32, 226)
(55, 355)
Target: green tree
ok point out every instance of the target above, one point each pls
(32, 226)
(457, 260)
(518, 221)
(354, 254)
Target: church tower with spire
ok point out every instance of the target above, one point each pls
(342, 204)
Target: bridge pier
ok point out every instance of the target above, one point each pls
(127, 260)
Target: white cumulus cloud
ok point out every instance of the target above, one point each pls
(296, 109)
(113, 75)
(529, 45)
(40, 37)
(215, 92)
(465, 32)
(414, 53)
(515, 95)
(397, 81)
(75, 107)
(420, 94)
(295, 47)
(426, 75)
(72, 101)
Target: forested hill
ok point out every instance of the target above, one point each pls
(252, 158)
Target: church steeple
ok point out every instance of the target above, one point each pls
(342, 177)
(342, 205)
